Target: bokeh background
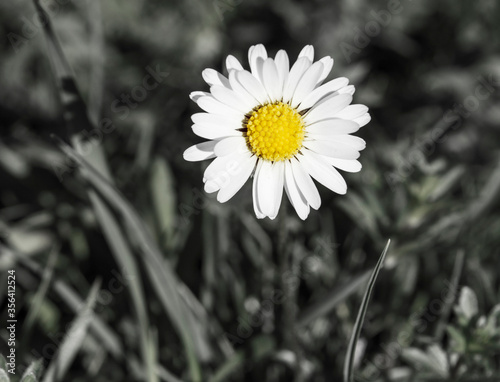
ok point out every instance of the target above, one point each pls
(183, 288)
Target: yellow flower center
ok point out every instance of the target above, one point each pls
(275, 131)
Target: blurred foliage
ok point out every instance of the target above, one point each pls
(188, 285)
(30, 375)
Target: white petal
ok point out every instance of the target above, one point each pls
(211, 105)
(307, 51)
(252, 85)
(230, 98)
(296, 198)
(239, 176)
(332, 126)
(343, 140)
(214, 132)
(323, 172)
(264, 191)
(271, 80)
(255, 194)
(212, 77)
(353, 112)
(195, 96)
(201, 151)
(344, 164)
(332, 149)
(241, 90)
(296, 73)
(327, 67)
(216, 174)
(283, 66)
(328, 108)
(256, 56)
(307, 83)
(356, 143)
(219, 172)
(349, 89)
(268, 187)
(230, 145)
(232, 121)
(211, 187)
(363, 120)
(232, 63)
(323, 91)
(256, 51)
(305, 184)
(279, 177)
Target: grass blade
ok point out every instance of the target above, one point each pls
(166, 284)
(78, 122)
(349, 360)
(97, 73)
(32, 372)
(37, 302)
(124, 257)
(76, 117)
(261, 347)
(445, 315)
(164, 201)
(332, 300)
(73, 340)
(103, 333)
(4, 377)
(3, 363)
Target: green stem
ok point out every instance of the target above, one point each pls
(288, 284)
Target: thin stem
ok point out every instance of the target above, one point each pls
(288, 283)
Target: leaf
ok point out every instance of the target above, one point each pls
(31, 374)
(493, 322)
(446, 183)
(349, 360)
(487, 198)
(460, 343)
(164, 201)
(3, 363)
(4, 377)
(439, 360)
(467, 304)
(73, 339)
(433, 361)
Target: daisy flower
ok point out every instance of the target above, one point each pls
(280, 125)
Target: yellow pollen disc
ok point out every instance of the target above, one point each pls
(275, 131)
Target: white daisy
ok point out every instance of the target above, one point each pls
(280, 124)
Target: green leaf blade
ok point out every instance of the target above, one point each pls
(349, 360)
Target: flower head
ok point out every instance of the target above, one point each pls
(280, 124)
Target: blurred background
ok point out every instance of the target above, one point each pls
(130, 272)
